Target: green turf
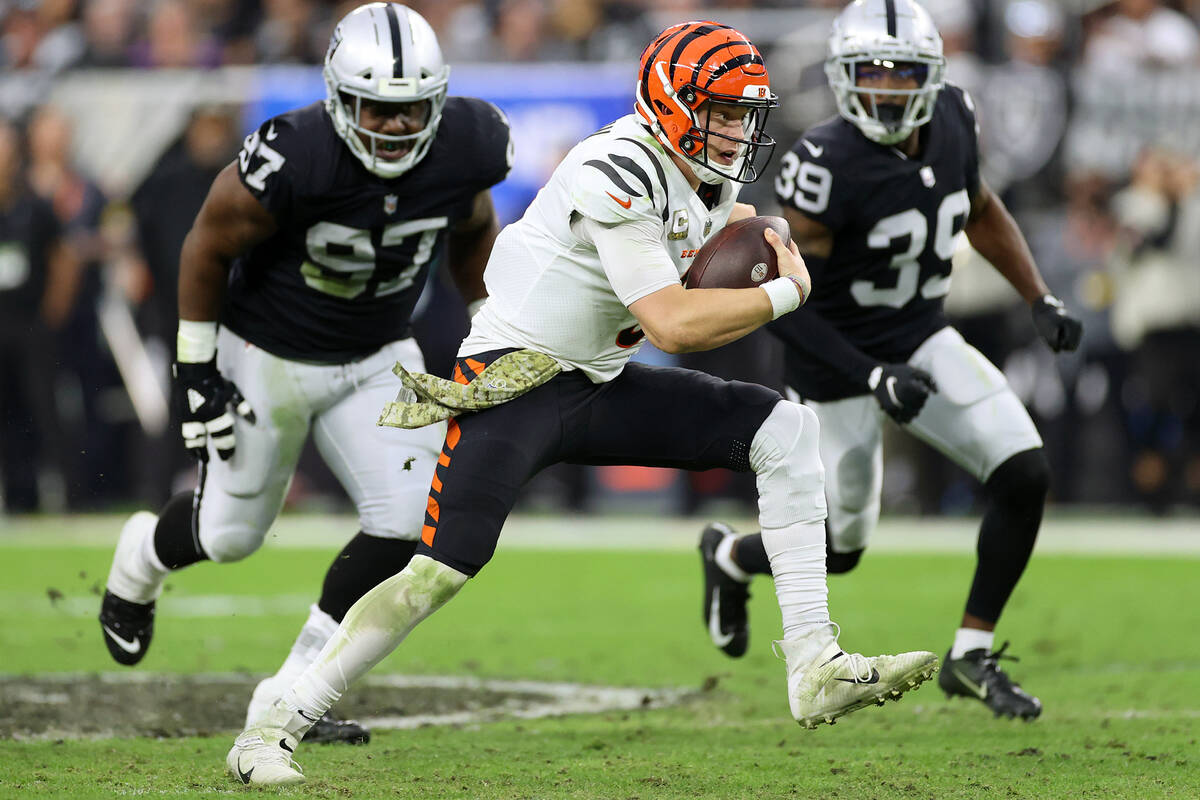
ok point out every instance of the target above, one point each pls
(1109, 644)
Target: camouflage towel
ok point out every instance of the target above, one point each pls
(426, 399)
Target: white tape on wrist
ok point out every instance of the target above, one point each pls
(784, 294)
(196, 342)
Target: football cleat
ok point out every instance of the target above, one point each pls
(263, 757)
(127, 628)
(127, 610)
(977, 675)
(836, 683)
(329, 729)
(725, 597)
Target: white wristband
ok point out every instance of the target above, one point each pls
(196, 342)
(784, 294)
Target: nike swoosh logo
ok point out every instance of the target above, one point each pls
(306, 715)
(283, 743)
(976, 689)
(626, 203)
(130, 646)
(874, 678)
(271, 134)
(812, 148)
(714, 621)
(891, 390)
(244, 776)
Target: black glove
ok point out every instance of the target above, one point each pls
(901, 390)
(204, 399)
(1060, 330)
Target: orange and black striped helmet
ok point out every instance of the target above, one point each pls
(686, 69)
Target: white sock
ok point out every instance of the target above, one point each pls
(967, 639)
(797, 555)
(150, 556)
(372, 629)
(724, 558)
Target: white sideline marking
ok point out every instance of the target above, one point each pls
(1062, 533)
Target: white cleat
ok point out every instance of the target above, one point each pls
(835, 683)
(263, 757)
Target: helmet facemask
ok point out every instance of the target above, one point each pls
(887, 116)
(752, 149)
(367, 144)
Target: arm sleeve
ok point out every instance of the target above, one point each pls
(971, 126)
(632, 255)
(806, 332)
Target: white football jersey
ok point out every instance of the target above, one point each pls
(547, 289)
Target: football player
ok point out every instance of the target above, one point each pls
(592, 270)
(297, 282)
(876, 198)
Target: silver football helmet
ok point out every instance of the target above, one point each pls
(386, 53)
(884, 34)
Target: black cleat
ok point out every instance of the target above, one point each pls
(330, 729)
(977, 675)
(725, 597)
(127, 627)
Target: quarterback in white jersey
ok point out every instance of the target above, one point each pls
(548, 288)
(545, 377)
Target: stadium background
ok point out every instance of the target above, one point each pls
(1091, 127)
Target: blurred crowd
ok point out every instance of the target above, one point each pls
(1088, 111)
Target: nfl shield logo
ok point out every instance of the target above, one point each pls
(927, 177)
(389, 204)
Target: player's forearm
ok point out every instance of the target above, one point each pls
(705, 319)
(202, 277)
(994, 234)
(467, 256)
(809, 333)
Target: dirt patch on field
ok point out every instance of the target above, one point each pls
(99, 706)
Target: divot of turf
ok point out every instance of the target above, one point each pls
(114, 705)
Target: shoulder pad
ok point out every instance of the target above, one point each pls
(482, 130)
(271, 156)
(619, 179)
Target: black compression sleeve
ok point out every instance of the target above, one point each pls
(807, 332)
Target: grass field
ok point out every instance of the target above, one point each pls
(1109, 642)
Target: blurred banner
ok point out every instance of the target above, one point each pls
(132, 116)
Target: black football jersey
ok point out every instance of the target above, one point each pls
(341, 275)
(895, 221)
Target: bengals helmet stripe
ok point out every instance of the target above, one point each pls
(694, 63)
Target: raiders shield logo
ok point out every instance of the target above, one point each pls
(927, 177)
(389, 204)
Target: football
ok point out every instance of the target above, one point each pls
(738, 256)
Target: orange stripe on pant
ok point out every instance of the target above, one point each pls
(432, 509)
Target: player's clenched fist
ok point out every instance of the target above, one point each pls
(205, 400)
(901, 390)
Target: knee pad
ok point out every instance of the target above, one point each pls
(1022, 479)
(787, 463)
(231, 541)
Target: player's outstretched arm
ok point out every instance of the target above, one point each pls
(230, 222)
(993, 232)
(468, 247)
(678, 320)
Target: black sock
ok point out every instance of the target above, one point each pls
(1016, 494)
(750, 555)
(364, 563)
(175, 541)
